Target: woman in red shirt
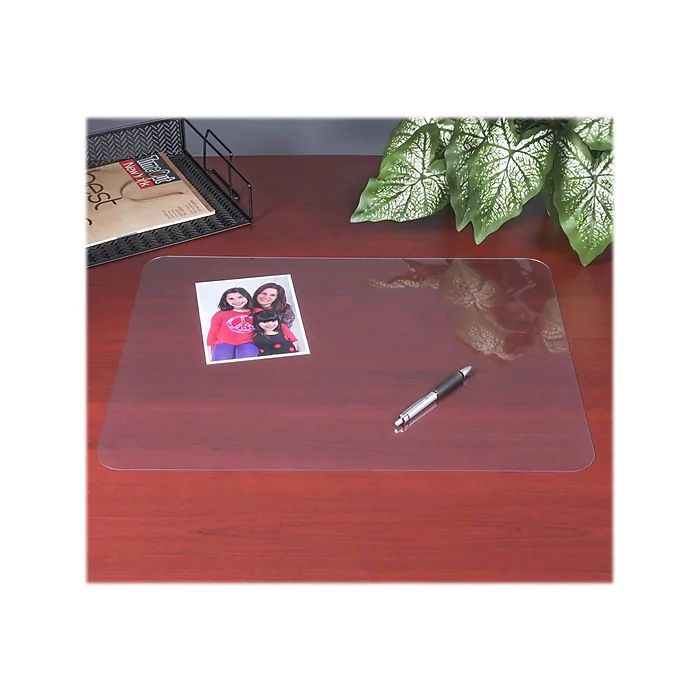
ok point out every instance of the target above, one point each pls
(232, 331)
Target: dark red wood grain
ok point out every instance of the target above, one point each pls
(318, 526)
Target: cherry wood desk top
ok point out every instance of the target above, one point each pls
(355, 526)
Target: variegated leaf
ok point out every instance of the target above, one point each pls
(523, 125)
(468, 136)
(406, 128)
(505, 172)
(548, 195)
(583, 196)
(411, 183)
(596, 132)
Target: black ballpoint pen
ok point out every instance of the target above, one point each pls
(453, 381)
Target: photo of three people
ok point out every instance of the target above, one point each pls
(238, 324)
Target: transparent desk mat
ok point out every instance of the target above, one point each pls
(308, 362)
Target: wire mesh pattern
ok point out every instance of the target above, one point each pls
(164, 136)
(140, 139)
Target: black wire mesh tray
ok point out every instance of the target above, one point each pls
(215, 178)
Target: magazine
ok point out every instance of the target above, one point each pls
(139, 194)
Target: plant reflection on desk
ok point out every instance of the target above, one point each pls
(506, 312)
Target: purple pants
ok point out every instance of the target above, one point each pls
(226, 351)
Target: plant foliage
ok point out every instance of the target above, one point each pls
(487, 169)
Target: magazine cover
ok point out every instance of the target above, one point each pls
(139, 194)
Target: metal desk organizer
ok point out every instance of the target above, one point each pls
(213, 177)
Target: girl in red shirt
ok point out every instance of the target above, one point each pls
(232, 331)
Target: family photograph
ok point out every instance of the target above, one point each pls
(250, 318)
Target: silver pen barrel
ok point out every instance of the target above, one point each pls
(415, 408)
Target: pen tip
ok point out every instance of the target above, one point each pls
(465, 370)
(398, 422)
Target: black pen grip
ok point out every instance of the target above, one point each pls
(454, 380)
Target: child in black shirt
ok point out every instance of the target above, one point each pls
(269, 336)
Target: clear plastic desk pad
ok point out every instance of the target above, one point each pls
(305, 364)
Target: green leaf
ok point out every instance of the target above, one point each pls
(596, 133)
(406, 129)
(583, 196)
(522, 125)
(548, 196)
(468, 136)
(505, 172)
(411, 183)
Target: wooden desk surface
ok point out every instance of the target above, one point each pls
(307, 526)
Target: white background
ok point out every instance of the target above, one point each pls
(209, 295)
(636, 638)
